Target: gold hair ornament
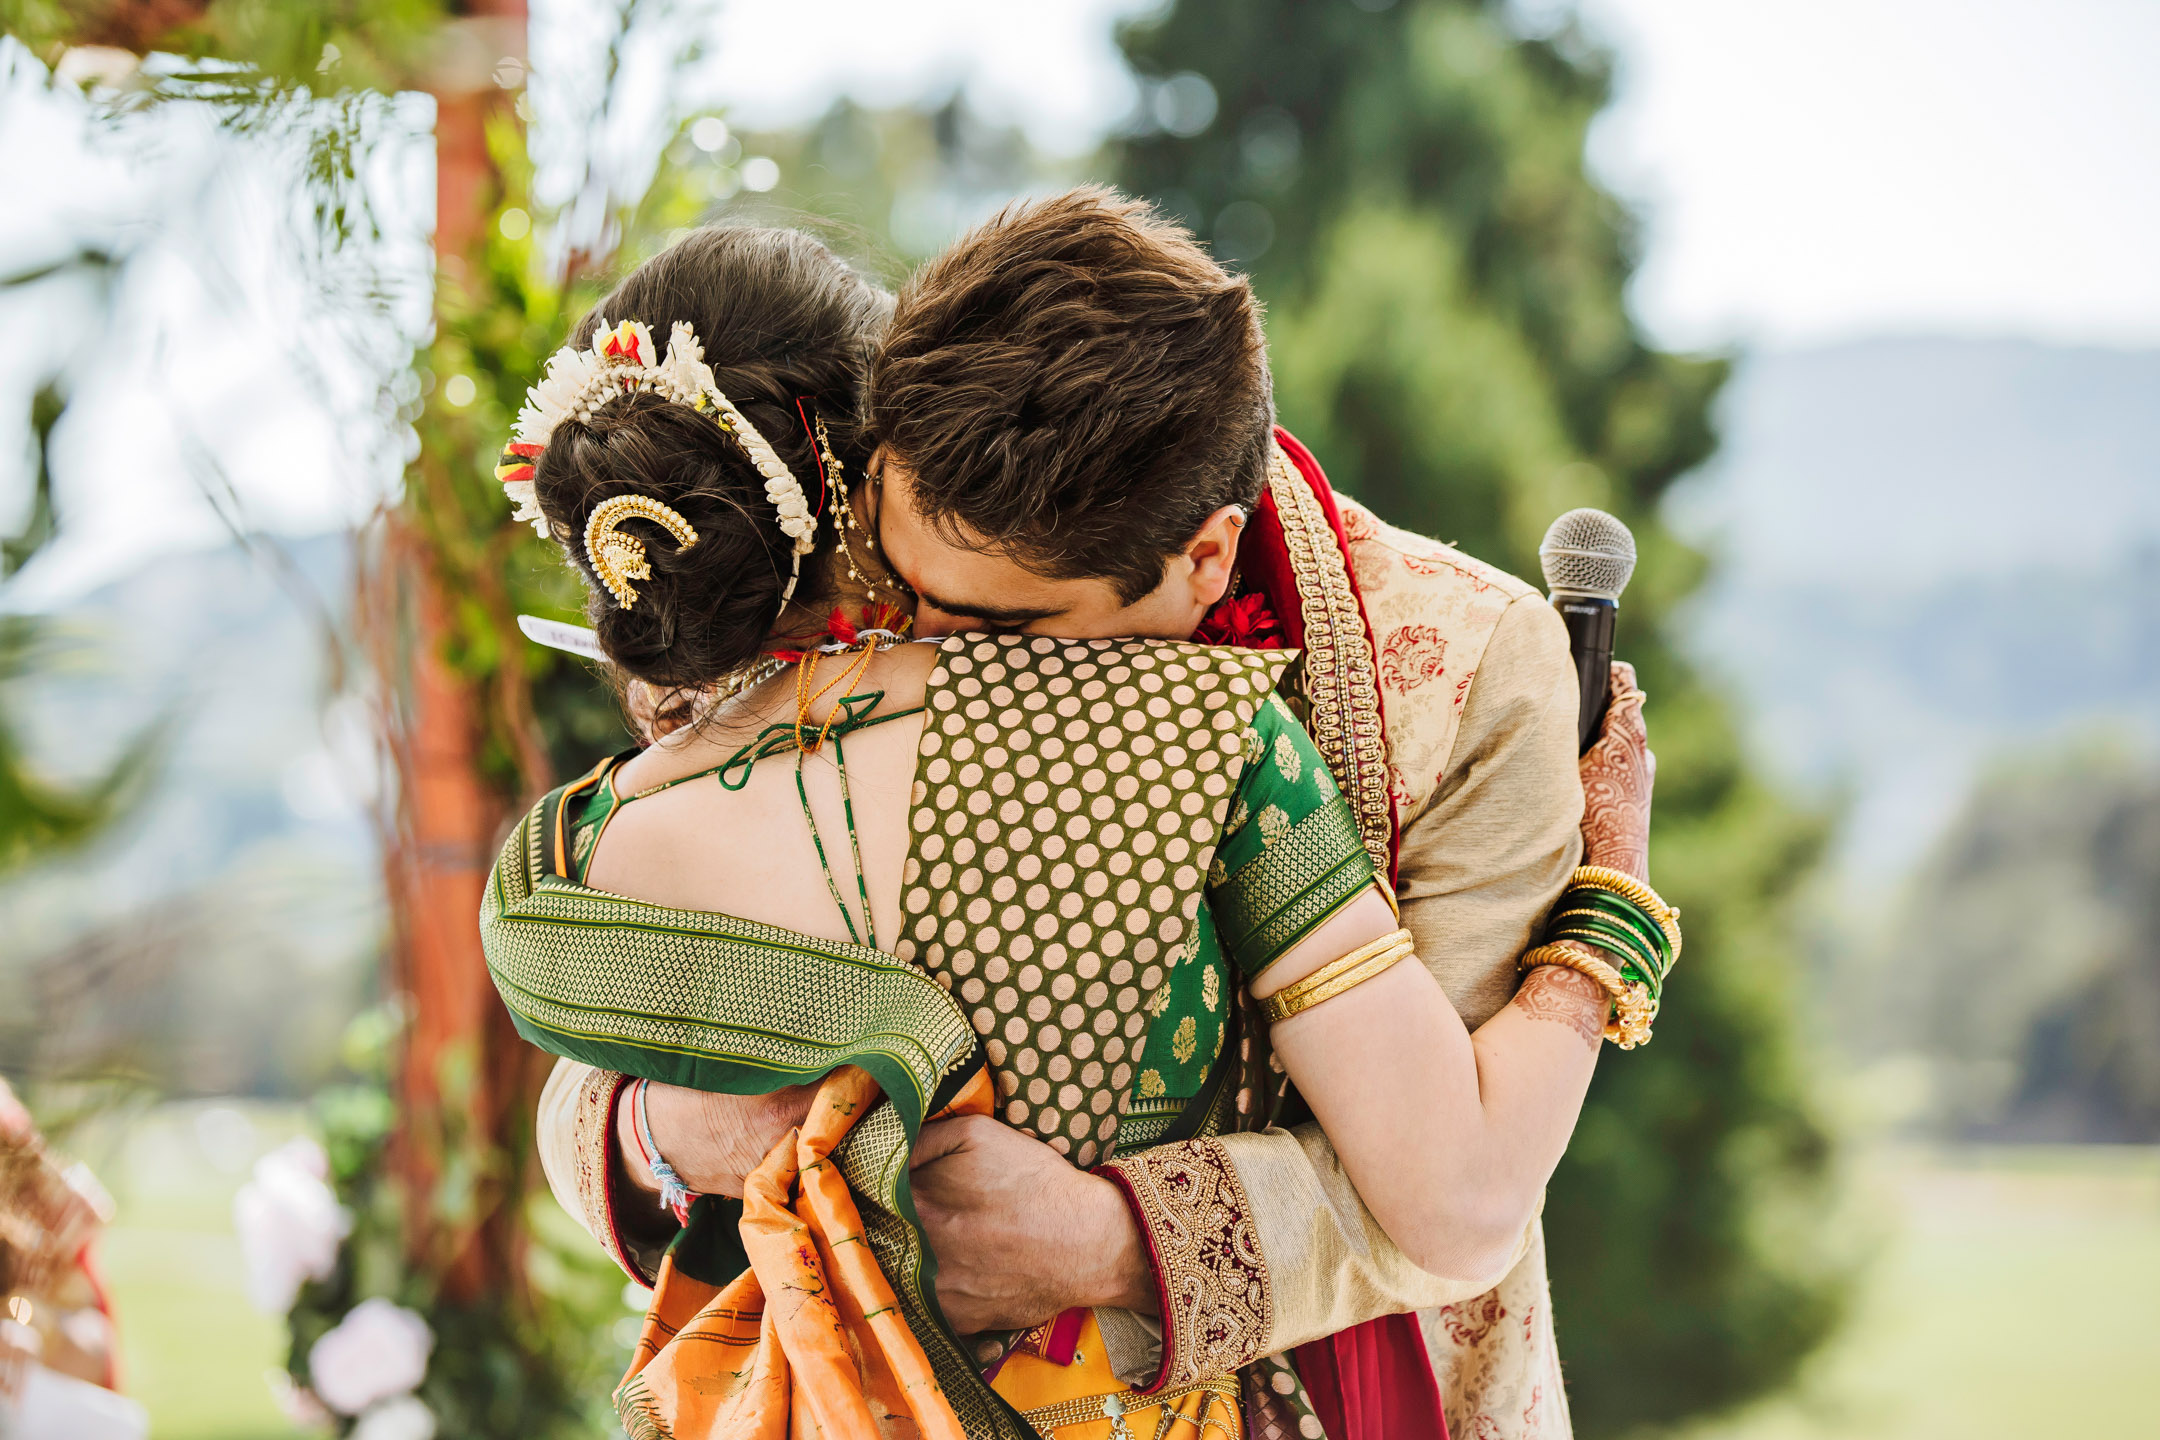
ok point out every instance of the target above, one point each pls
(844, 520)
(618, 558)
(622, 360)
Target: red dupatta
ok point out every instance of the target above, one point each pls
(1373, 1381)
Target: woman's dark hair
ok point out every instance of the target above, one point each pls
(782, 318)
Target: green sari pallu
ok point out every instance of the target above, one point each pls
(1075, 803)
(728, 1006)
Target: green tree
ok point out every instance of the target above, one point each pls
(1406, 185)
(441, 1179)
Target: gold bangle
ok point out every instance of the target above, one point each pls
(1343, 973)
(1633, 1009)
(1619, 882)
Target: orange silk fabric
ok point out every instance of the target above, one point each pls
(808, 1341)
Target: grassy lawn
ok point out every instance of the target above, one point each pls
(193, 1349)
(2019, 1296)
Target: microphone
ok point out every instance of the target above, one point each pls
(1588, 557)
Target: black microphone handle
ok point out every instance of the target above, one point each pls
(1589, 623)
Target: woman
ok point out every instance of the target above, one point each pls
(1040, 820)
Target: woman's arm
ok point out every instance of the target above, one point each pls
(1451, 1136)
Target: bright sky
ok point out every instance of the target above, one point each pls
(1809, 171)
(1819, 169)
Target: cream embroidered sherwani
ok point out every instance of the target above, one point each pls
(1480, 697)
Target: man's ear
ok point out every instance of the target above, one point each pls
(1213, 553)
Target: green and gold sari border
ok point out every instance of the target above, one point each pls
(1308, 873)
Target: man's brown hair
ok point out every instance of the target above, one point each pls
(1078, 384)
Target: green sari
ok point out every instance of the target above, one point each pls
(1102, 829)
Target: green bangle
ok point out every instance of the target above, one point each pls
(1647, 940)
(1629, 910)
(1631, 966)
(1617, 939)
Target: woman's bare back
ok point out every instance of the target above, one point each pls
(748, 852)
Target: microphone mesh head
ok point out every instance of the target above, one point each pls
(1588, 552)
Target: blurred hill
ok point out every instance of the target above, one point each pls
(1926, 552)
(2022, 968)
(1926, 591)
(215, 940)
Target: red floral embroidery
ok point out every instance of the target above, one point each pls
(1244, 621)
(1399, 789)
(1471, 1321)
(1358, 523)
(1412, 656)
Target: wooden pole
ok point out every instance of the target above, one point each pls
(464, 1076)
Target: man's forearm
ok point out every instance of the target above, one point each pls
(711, 1141)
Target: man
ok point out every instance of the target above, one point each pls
(1077, 420)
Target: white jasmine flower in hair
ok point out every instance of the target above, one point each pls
(684, 366)
(378, 1351)
(289, 1223)
(525, 495)
(558, 396)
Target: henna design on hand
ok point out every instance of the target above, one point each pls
(1617, 775)
(1565, 997)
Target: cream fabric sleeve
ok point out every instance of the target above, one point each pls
(574, 1131)
(555, 1135)
(1485, 859)
(1480, 866)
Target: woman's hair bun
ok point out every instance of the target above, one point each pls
(782, 319)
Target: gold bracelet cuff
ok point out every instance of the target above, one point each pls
(1343, 973)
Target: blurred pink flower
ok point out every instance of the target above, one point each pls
(404, 1418)
(289, 1223)
(298, 1404)
(378, 1351)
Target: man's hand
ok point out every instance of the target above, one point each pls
(1618, 774)
(713, 1141)
(1019, 1233)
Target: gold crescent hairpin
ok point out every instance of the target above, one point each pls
(618, 558)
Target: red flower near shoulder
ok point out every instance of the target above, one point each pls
(1245, 621)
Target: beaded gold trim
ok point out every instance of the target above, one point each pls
(1218, 1306)
(1121, 1407)
(1341, 678)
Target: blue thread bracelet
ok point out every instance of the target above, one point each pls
(675, 1197)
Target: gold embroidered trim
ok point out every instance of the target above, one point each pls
(1341, 677)
(1218, 1306)
(1123, 1410)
